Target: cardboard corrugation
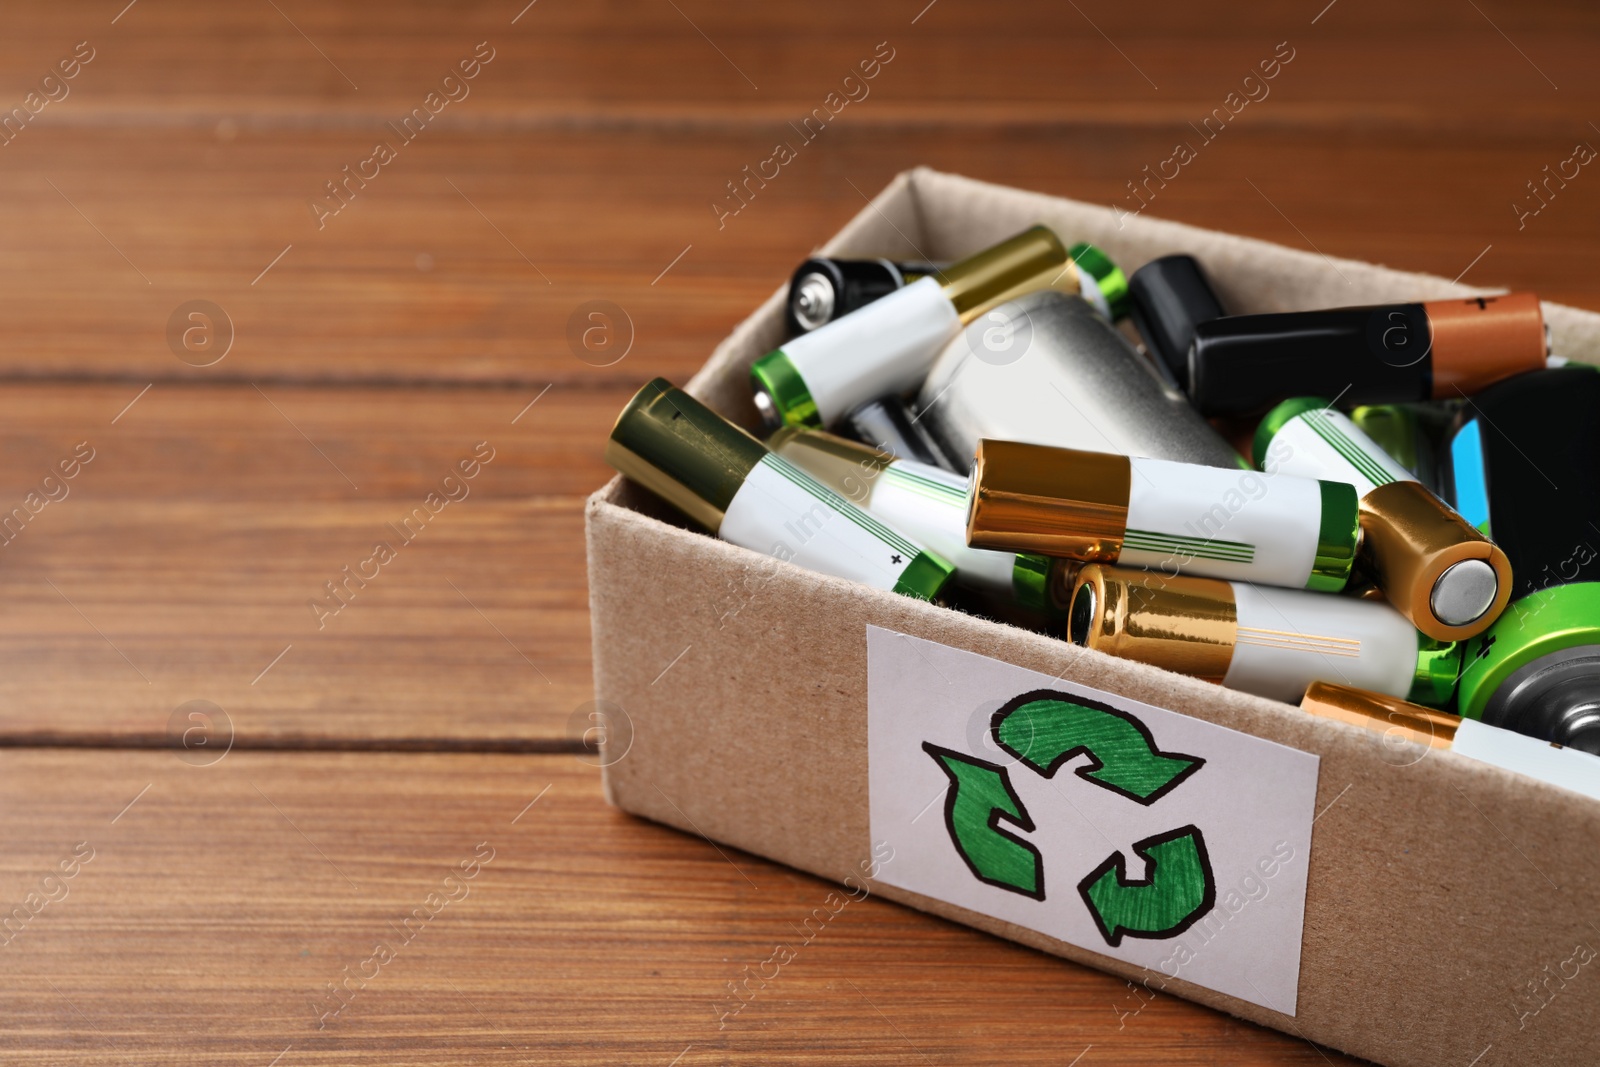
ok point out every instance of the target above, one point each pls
(1441, 895)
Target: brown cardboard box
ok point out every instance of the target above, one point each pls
(1448, 902)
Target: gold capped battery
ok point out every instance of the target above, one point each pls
(1174, 517)
(1434, 567)
(1264, 640)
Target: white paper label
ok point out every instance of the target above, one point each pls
(1126, 829)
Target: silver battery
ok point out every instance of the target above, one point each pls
(1046, 369)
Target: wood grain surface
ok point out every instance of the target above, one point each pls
(186, 555)
(368, 351)
(221, 901)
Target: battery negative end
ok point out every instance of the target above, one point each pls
(1463, 592)
(770, 418)
(1081, 621)
(813, 301)
(1555, 698)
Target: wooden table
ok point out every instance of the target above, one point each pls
(432, 724)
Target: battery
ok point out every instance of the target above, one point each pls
(823, 288)
(1244, 364)
(1171, 297)
(889, 426)
(885, 348)
(930, 504)
(1178, 518)
(740, 490)
(1524, 467)
(1435, 568)
(1262, 640)
(1060, 374)
(1400, 721)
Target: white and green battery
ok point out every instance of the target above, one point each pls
(732, 484)
(886, 347)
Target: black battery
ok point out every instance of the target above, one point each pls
(822, 288)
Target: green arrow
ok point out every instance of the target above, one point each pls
(1179, 890)
(1044, 729)
(980, 795)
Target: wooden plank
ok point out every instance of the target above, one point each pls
(221, 901)
(181, 560)
(1427, 63)
(472, 257)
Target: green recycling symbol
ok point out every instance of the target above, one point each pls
(1044, 730)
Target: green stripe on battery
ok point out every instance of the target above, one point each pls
(924, 577)
(1225, 551)
(838, 503)
(775, 374)
(1325, 428)
(925, 486)
(1108, 277)
(1338, 534)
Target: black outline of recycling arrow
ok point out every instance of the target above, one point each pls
(1118, 863)
(1025, 823)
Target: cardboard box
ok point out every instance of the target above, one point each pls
(1452, 910)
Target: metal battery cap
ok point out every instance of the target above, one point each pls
(1033, 259)
(1181, 623)
(1394, 718)
(925, 577)
(1278, 418)
(1338, 538)
(1464, 592)
(814, 300)
(1438, 667)
(1053, 501)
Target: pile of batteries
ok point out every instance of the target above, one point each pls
(1029, 433)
